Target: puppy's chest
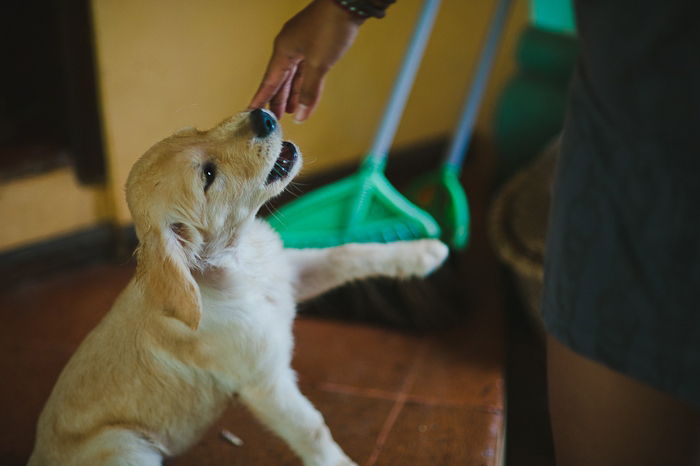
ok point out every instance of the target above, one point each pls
(251, 322)
(267, 280)
(258, 292)
(268, 273)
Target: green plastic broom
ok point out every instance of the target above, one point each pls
(365, 207)
(441, 192)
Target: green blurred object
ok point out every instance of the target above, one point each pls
(531, 108)
(547, 55)
(553, 16)
(365, 207)
(441, 193)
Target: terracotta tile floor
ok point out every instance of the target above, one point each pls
(389, 397)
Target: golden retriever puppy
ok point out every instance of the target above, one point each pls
(208, 315)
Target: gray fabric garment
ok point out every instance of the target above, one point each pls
(622, 263)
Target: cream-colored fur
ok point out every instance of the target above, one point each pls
(208, 316)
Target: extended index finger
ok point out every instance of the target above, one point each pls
(278, 71)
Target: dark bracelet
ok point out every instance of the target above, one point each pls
(365, 8)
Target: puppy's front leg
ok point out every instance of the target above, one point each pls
(320, 270)
(281, 407)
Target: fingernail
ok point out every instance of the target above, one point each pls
(301, 114)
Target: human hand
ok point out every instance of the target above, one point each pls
(304, 51)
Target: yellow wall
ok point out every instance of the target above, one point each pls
(165, 64)
(41, 207)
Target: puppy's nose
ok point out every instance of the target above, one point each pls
(263, 122)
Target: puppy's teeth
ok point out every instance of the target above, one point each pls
(284, 163)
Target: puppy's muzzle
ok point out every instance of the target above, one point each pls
(264, 124)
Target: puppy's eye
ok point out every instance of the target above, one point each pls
(209, 174)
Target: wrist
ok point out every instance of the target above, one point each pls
(363, 9)
(329, 10)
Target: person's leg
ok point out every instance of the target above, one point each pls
(601, 417)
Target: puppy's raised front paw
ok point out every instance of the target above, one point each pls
(416, 258)
(429, 255)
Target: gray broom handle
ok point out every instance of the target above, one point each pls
(404, 82)
(463, 131)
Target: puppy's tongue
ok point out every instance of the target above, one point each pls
(285, 162)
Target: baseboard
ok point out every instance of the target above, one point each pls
(75, 249)
(106, 243)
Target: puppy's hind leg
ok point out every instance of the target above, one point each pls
(320, 270)
(279, 405)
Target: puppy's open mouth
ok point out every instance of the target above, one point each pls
(284, 163)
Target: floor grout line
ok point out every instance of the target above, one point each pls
(380, 394)
(357, 391)
(401, 398)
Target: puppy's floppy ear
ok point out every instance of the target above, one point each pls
(169, 283)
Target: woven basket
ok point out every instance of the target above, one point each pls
(517, 226)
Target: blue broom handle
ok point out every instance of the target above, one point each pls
(402, 88)
(463, 132)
